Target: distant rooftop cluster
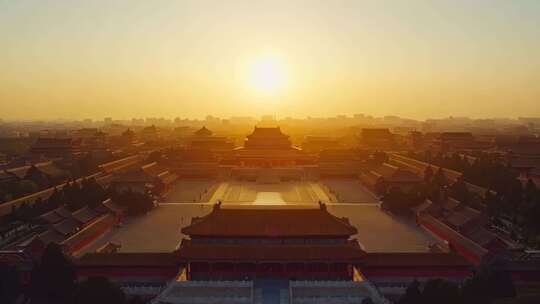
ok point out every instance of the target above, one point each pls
(336, 210)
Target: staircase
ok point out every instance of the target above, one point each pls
(271, 291)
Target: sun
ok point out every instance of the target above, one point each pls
(266, 74)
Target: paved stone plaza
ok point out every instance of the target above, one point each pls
(159, 230)
(190, 191)
(349, 191)
(281, 193)
(329, 190)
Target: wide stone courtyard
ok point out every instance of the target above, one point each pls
(328, 190)
(159, 230)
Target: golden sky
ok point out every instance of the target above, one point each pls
(417, 59)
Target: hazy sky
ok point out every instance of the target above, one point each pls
(91, 59)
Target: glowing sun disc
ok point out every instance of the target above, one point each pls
(266, 74)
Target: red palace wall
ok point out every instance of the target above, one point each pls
(465, 247)
(418, 272)
(275, 270)
(164, 273)
(532, 276)
(90, 233)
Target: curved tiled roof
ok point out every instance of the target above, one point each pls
(51, 236)
(112, 206)
(53, 142)
(131, 259)
(270, 223)
(63, 212)
(267, 132)
(203, 132)
(84, 215)
(396, 174)
(154, 169)
(414, 259)
(66, 227)
(51, 217)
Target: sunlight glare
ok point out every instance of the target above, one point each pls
(267, 74)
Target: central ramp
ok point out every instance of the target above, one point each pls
(271, 291)
(280, 193)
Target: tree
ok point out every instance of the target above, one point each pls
(136, 300)
(412, 294)
(98, 290)
(516, 194)
(87, 165)
(53, 278)
(459, 191)
(92, 193)
(38, 177)
(367, 301)
(489, 282)
(393, 200)
(159, 187)
(532, 224)
(428, 156)
(155, 156)
(27, 186)
(57, 198)
(531, 191)
(72, 193)
(440, 179)
(10, 287)
(428, 174)
(440, 291)
(498, 279)
(135, 202)
(494, 204)
(475, 291)
(414, 197)
(380, 157)
(381, 187)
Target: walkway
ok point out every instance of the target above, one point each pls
(272, 290)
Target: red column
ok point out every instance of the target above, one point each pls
(328, 270)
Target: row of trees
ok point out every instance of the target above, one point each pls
(36, 180)
(53, 280)
(136, 203)
(33, 181)
(78, 195)
(508, 197)
(521, 207)
(74, 196)
(485, 286)
(486, 169)
(17, 188)
(399, 201)
(10, 287)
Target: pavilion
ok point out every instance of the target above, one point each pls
(237, 243)
(268, 148)
(204, 139)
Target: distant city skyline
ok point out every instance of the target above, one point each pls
(259, 118)
(262, 118)
(414, 59)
